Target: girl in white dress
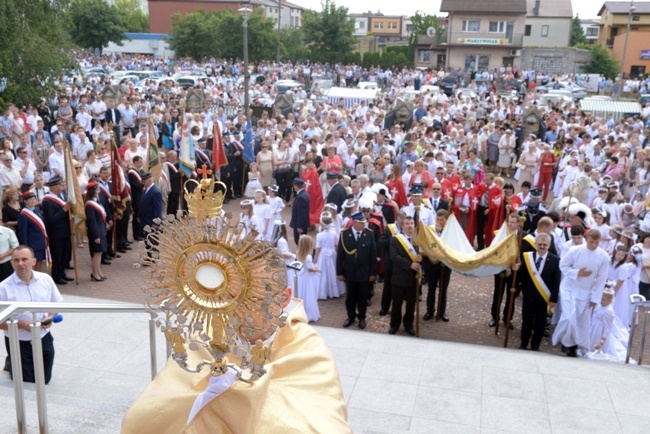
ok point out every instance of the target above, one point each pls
(308, 278)
(337, 220)
(279, 240)
(616, 268)
(602, 218)
(253, 183)
(325, 258)
(246, 216)
(276, 205)
(261, 213)
(631, 273)
(608, 337)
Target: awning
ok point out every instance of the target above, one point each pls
(603, 107)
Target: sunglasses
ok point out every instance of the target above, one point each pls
(436, 189)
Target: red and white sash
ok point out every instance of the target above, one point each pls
(57, 200)
(171, 166)
(203, 155)
(137, 175)
(99, 208)
(39, 223)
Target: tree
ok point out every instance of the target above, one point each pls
(132, 17)
(601, 62)
(577, 34)
(329, 34)
(32, 55)
(420, 22)
(94, 24)
(262, 36)
(195, 35)
(293, 45)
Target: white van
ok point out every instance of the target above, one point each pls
(367, 85)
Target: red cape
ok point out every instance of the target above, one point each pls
(470, 229)
(396, 190)
(495, 203)
(515, 204)
(313, 187)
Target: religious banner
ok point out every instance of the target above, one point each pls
(455, 251)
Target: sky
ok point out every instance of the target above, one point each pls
(584, 8)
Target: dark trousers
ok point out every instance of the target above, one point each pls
(533, 311)
(438, 279)
(135, 225)
(356, 299)
(122, 228)
(400, 295)
(500, 285)
(387, 294)
(237, 176)
(61, 251)
(172, 203)
(296, 235)
(27, 358)
(284, 181)
(108, 254)
(7, 270)
(480, 226)
(644, 290)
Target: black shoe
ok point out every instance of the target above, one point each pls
(128, 243)
(547, 333)
(7, 364)
(94, 279)
(444, 317)
(410, 330)
(511, 326)
(127, 248)
(69, 267)
(362, 324)
(106, 262)
(392, 331)
(61, 282)
(68, 278)
(138, 239)
(535, 349)
(122, 250)
(427, 316)
(573, 352)
(521, 347)
(492, 323)
(110, 257)
(369, 302)
(348, 322)
(383, 312)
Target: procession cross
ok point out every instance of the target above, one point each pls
(394, 191)
(204, 171)
(307, 183)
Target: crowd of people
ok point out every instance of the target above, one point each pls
(358, 186)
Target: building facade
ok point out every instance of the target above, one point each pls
(290, 14)
(484, 35)
(548, 23)
(591, 29)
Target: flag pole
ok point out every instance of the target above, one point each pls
(71, 215)
(113, 208)
(180, 178)
(511, 308)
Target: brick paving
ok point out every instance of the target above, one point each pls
(468, 303)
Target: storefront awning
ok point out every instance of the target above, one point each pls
(603, 107)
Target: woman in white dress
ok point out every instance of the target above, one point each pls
(253, 183)
(308, 278)
(325, 258)
(261, 213)
(276, 205)
(631, 272)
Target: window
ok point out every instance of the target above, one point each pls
(378, 26)
(497, 27)
(409, 28)
(392, 26)
(424, 56)
(527, 30)
(471, 25)
(360, 24)
(636, 17)
(592, 32)
(544, 31)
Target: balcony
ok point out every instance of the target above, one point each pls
(486, 39)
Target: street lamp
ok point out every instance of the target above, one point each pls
(245, 10)
(627, 35)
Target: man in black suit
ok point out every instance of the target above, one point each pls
(104, 197)
(174, 175)
(151, 203)
(439, 276)
(135, 181)
(56, 218)
(539, 275)
(406, 268)
(113, 116)
(337, 194)
(356, 265)
(436, 200)
(299, 210)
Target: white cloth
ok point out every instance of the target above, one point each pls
(8, 241)
(40, 289)
(605, 324)
(328, 285)
(308, 288)
(629, 274)
(261, 216)
(425, 215)
(576, 293)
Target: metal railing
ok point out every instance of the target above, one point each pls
(638, 301)
(7, 313)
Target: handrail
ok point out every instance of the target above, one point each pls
(637, 301)
(7, 313)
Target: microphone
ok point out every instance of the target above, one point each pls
(55, 319)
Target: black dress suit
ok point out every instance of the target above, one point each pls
(136, 194)
(151, 206)
(115, 117)
(175, 188)
(356, 261)
(337, 196)
(534, 306)
(404, 284)
(300, 214)
(96, 226)
(57, 225)
(442, 204)
(105, 200)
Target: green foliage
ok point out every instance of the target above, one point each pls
(353, 58)
(577, 34)
(132, 17)
(329, 34)
(402, 60)
(94, 24)
(421, 22)
(367, 59)
(32, 55)
(292, 44)
(387, 59)
(202, 34)
(602, 62)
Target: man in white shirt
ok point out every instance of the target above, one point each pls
(9, 175)
(98, 109)
(55, 160)
(26, 167)
(81, 149)
(28, 285)
(84, 119)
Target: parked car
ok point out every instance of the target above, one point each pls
(433, 90)
(367, 85)
(577, 91)
(644, 98)
(282, 86)
(448, 83)
(466, 93)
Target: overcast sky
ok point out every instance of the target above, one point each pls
(585, 8)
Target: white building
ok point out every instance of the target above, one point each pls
(591, 28)
(290, 14)
(548, 23)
